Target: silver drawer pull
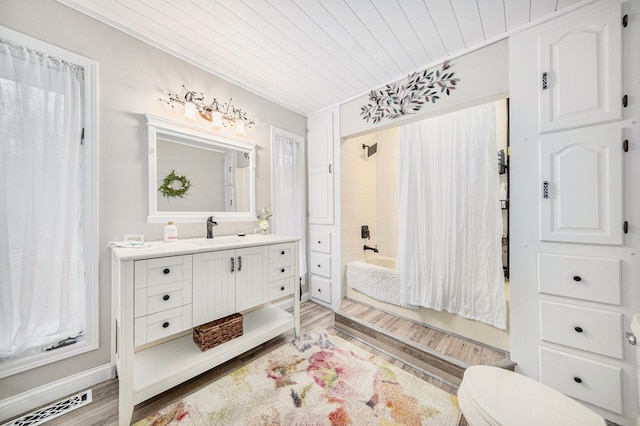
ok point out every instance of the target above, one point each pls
(166, 297)
(165, 325)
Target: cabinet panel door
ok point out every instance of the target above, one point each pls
(581, 64)
(214, 291)
(252, 282)
(320, 160)
(581, 177)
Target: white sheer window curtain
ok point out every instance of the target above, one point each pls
(43, 291)
(288, 188)
(449, 251)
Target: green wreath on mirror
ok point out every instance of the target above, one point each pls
(169, 189)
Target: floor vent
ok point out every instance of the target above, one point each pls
(52, 411)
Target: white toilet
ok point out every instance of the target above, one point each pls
(495, 396)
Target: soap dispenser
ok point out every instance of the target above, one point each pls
(170, 233)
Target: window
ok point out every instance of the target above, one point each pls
(48, 204)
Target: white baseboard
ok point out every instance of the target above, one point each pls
(27, 401)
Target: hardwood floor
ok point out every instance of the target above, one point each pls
(104, 408)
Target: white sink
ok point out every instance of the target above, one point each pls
(226, 239)
(635, 326)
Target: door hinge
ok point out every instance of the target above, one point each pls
(625, 145)
(625, 227)
(625, 21)
(544, 81)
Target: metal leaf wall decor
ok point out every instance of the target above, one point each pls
(408, 97)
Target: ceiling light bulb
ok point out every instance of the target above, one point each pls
(216, 119)
(240, 128)
(190, 110)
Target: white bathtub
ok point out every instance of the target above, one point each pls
(377, 278)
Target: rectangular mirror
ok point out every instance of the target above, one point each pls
(195, 173)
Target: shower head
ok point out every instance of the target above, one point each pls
(370, 149)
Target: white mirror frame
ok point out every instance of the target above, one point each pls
(198, 137)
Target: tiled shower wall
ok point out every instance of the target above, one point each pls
(369, 195)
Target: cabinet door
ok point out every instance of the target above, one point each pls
(580, 72)
(252, 277)
(320, 160)
(581, 176)
(214, 292)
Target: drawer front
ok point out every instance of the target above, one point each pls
(281, 253)
(162, 270)
(162, 297)
(162, 324)
(321, 264)
(281, 288)
(590, 381)
(587, 278)
(279, 271)
(320, 241)
(321, 289)
(590, 329)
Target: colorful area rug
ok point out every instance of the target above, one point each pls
(317, 379)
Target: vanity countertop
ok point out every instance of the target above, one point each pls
(198, 245)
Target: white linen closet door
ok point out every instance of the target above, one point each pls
(580, 73)
(581, 186)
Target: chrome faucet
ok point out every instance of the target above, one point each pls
(373, 249)
(210, 224)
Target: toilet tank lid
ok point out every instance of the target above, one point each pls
(509, 398)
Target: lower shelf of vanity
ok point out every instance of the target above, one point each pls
(164, 366)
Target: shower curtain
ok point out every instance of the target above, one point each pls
(288, 188)
(42, 266)
(449, 251)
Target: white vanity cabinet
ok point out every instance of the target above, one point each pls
(229, 281)
(161, 292)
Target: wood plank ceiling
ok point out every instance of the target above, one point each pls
(310, 54)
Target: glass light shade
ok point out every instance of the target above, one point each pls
(216, 120)
(190, 110)
(240, 128)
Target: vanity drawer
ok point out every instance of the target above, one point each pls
(281, 252)
(161, 297)
(590, 329)
(321, 264)
(587, 278)
(320, 241)
(585, 379)
(162, 324)
(281, 270)
(281, 288)
(162, 270)
(321, 289)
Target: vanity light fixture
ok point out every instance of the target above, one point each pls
(220, 115)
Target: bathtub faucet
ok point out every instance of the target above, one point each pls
(373, 249)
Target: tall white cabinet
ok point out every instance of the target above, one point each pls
(574, 205)
(324, 218)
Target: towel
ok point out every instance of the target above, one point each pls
(376, 282)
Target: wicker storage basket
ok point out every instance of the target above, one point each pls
(213, 333)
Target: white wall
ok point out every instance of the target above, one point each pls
(132, 75)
